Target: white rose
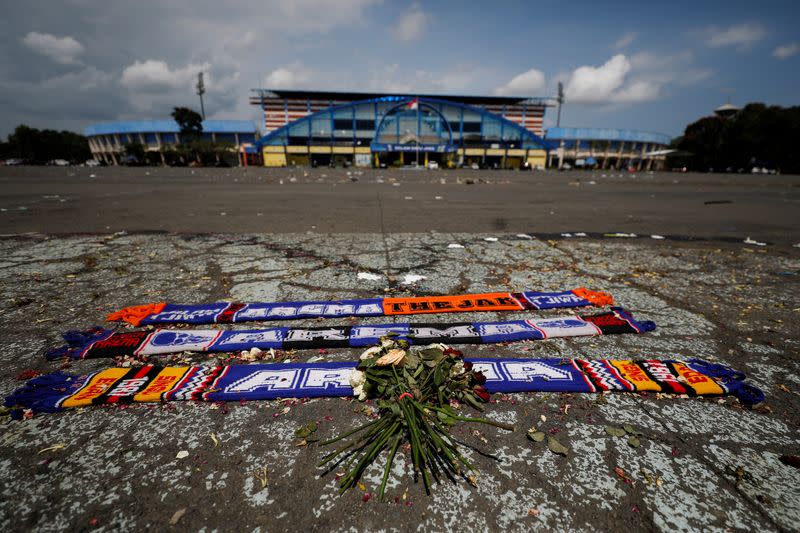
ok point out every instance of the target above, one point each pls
(359, 391)
(371, 352)
(357, 378)
(457, 369)
(387, 343)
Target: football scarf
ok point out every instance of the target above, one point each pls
(108, 343)
(54, 392)
(227, 312)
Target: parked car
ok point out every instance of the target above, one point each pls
(433, 165)
(13, 162)
(93, 163)
(58, 163)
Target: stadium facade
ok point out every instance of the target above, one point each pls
(378, 129)
(607, 148)
(107, 140)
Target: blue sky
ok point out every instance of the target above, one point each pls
(643, 65)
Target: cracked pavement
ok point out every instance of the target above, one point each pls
(709, 465)
(728, 303)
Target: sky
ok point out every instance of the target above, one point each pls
(639, 65)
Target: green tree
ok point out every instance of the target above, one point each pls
(135, 150)
(40, 146)
(190, 123)
(757, 136)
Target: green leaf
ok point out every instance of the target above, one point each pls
(629, 429)
(412, 361)
(438, 376)
(556, 447)
(536, 435)
(615, 431)
(303, 432)
(431, 354)
(633, 441)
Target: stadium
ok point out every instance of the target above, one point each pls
(108, 140)
(376, 129)
(607, 148)
(329, 128)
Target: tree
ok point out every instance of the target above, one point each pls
(190, 123)
(40, 146)
(757, 136)
(135, 151)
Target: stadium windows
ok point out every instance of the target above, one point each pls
(472, 127)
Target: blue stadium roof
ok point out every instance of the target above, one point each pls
(606, 134)
(167, 126)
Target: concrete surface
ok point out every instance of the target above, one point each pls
(706, 465)
(55, 200)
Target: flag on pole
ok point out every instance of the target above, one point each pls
(414, 104)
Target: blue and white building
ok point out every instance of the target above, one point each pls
(607, 148)
(107, 140)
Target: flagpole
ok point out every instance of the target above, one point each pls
(416, 99)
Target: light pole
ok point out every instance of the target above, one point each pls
(560, 100)
(201, 90)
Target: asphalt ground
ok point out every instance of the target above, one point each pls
(258, 200)
(710, 465)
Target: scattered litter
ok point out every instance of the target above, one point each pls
(215, 439)
(454, 245)
(623, 235)
(796, 245)
(262, 475)
(437, 197)
(623, 476)
(369, 276)
(183, 454)
(177, 515)
(395, 184)
(580, 234)
(53, 448)
(657, 237)
(490, 239)
(556, 447)
(315, 359)
(524, 236)
(535, 435)
(409, 197)
(92, 176)
(748, 240)
(223, 214)
(566, 235)
(412, 278)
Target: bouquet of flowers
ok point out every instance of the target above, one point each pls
(415, 392)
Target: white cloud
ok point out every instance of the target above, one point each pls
(526, 84)
(740, 35)
(626, 40)
(411, 25)
(292, 76)
(786, 51)
(609, 83)
(312, 15)
(153, 74)
(63, 50)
